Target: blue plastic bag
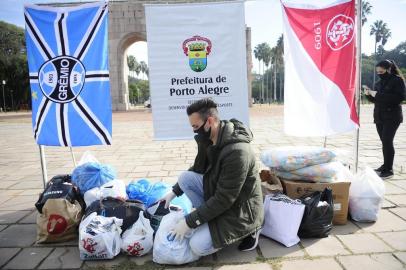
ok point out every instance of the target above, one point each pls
(149, 193)
(183, 202)
(92, 174)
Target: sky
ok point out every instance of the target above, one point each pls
(265, 19)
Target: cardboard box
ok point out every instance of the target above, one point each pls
(297, 189)
(270, 183)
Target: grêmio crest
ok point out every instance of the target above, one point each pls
(197, 48)
(62, 78)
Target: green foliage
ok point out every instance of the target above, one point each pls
(366, 10)
(367, 71)
(13, 67)
(12, 39)
(269, 85)
(138, 91)
(380, 30)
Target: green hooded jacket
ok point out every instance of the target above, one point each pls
(233, 204)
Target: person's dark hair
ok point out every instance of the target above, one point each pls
(391, 66)
(205, 107)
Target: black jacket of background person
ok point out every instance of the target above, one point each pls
(390, 94)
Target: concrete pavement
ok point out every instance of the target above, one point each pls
(379, 245)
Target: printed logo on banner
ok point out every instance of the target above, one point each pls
(62, 78)
(340, 32)
(197, 48)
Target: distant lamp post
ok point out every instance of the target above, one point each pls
(4, 99)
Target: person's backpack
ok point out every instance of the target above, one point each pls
(128, 210)
(59, 187)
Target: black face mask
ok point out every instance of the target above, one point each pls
(203, 132)
(384, 76)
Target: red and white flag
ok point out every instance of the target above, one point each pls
(320, 67)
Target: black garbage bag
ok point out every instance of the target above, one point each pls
(59, 187)
(318, 215)
(128, 210)
(157, 211)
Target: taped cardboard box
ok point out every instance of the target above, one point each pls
(297, 189)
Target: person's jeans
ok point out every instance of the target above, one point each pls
(386, 132)
(192, 185)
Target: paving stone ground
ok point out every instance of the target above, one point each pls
(134, 154)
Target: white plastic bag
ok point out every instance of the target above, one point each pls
(367, 191)
(92, 195)
(99, 237)
(138, 239)
(171, 251)
(87, 157)
(114, 189)
(282, 218)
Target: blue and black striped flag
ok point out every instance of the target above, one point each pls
(67, 49)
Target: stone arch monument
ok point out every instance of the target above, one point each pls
(127, 26)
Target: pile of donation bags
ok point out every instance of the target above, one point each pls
(319, 191)
(108, 217)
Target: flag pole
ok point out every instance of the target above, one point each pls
(43, 165)
(358, 84)
(73, 156)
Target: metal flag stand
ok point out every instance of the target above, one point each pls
(44, 163)
(73, 156)
(358, 84)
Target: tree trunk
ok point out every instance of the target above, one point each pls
(274, 79)
(373, 82)
(280, 85)
(259, 74)
(262, 82)
(269, 91)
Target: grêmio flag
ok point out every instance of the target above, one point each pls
(67, 49)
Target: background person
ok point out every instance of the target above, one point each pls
(388, 94)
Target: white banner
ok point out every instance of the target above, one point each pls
(195, 51)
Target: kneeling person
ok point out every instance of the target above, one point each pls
(223, 184)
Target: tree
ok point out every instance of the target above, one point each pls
(13, 67)
(380, 50)
(131, 63)
(366, 10)
(277, 63)
(133, 93)
(260, 51)
(143, 87)
(137, 68)
(398, 54)
(258, 55)
(143, 68)
(266, 59)
(12, 41)
(256, 86)
(382, 33)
